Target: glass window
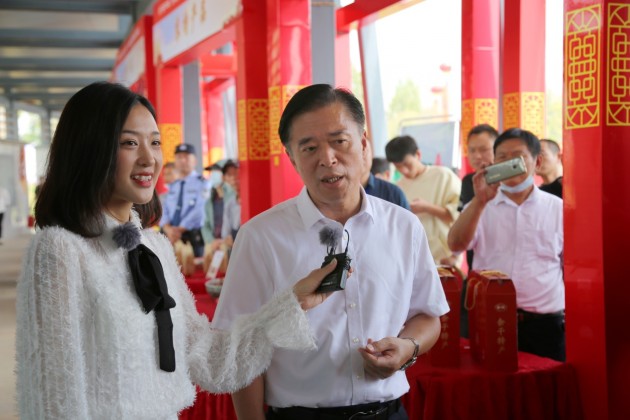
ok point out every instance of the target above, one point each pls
(419, 51)
(3, 122)
(553, 68)
(29, 126)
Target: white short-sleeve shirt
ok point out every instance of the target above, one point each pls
(394, 279)
(526, 242)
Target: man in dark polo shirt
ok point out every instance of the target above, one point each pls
(378, 187)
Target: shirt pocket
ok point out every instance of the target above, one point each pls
(541, 244)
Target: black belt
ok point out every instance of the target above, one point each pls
(526, 315)
(372, 411)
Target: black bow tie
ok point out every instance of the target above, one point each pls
(150, 284)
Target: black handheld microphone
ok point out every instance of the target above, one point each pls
(336, 280)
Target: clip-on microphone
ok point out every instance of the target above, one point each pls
(337, 279)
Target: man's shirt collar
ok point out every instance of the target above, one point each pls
(502, 198)
(310, 214)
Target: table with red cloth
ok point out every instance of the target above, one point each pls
(540, 389)
(207, 406)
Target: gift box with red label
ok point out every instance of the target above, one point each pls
(445, 353)
(491, 302)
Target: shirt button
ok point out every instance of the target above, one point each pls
(358, 376)
(355, 340)
(353, 305)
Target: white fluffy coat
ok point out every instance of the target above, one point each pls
(86, 350)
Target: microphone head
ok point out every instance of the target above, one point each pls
(330, 236)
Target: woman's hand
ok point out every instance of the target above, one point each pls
(305, 289)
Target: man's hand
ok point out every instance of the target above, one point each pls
(450, 260)
(305, 289)
(419, 206)
(484, 192)
(173, 233)
(383, 358)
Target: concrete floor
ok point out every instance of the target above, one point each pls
(11, 252)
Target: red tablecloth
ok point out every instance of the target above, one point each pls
(207, 406)
(540, 389)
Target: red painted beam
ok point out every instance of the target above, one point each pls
(218, 65)
(362, 10)
(217, 40)
(218, 83)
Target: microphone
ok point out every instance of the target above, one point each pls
(331, 237)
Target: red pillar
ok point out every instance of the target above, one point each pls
(252, 108)
(480, 67)
(596, 201)
(524, 65)
(289, 63)
(215, 123)
(169, 109)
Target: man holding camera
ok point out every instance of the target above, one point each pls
(183, 209)
(388, 313)
(514, 227)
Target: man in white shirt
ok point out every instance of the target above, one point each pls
(389, 311)
(516, 228)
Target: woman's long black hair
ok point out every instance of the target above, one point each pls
(82, 161)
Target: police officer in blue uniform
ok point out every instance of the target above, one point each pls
(183, 211)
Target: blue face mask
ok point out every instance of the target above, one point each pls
(215, 178)
(528, 182)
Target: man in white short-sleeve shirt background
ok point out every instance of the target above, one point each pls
(390, 308)
(516, 228)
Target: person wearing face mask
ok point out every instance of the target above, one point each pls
(514, 227)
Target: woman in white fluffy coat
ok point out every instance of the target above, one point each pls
(86, 349)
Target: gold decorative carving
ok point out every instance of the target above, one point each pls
(171, 136)
(487, 111)
(258, 129)
(275, 110)
(241, 117)
(618, 65)
(582, 74)
(477, 111)
(533, 112)
(279, 97)
(511, 110)
(253, 129)
(468, 115)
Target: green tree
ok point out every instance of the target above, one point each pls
(404, 104)
(357, 84)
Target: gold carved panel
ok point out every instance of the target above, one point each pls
(241, 118)
(258, 129)
(468, 118)
(275, 110)
(533, 112)
(487, 111)
(582, 74)
(511, 110)
(279, 96)
(618, 65)
(171, 136)
(477, 111)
